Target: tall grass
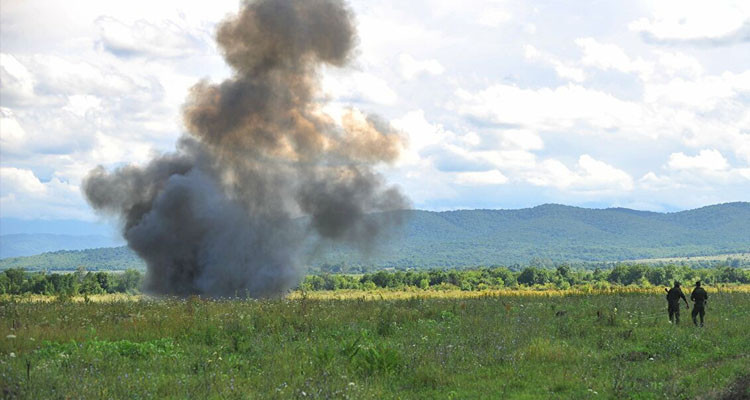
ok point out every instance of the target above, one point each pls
(361, 345)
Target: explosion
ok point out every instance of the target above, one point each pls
(261, 170)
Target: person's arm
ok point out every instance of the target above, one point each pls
(684, 299)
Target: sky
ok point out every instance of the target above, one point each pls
(504, 104)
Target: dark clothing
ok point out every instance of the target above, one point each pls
(673, 300)
(674, 313)
(674, 295)
(698, 310)
(699, 296)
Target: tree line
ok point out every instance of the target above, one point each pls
(561, 277)
(81, 282)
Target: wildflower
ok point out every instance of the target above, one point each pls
(12, 355)
(11, 336)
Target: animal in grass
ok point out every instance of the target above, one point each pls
(673, 302)
(699, 298)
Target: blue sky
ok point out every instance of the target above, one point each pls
(505, 104)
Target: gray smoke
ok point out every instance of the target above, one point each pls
(262, 171)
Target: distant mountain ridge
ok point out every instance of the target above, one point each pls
(27, 244)
(504, 237)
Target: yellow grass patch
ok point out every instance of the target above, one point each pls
(399, 294)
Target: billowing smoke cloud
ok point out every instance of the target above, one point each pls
(262, 170)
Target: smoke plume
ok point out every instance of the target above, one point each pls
(262, 170)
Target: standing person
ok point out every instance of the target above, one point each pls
(673, 302)
(699, 297)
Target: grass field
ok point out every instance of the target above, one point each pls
(375, 345)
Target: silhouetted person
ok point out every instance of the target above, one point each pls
(699, 298)
(673, 301)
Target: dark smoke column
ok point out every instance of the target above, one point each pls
(221, 215)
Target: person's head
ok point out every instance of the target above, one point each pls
(676, 283)
(698, 284)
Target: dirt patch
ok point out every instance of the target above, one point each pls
(739, 390)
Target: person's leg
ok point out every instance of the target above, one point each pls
(695, 314)
(670, 310)
(677, 316)
(702, 313)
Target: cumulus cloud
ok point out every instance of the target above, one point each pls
(523, 139)
(148, 39)
(18, 82)
(564, 107)
(358, 87)
(494, 17)
(708, 160)
(563, 70)
(421, 133)
(696, 178)
(610, 56)
(588, 175)
(23, 195)
(412, 68)
(491, 177)
(677, 100)
(715, 23)
(13, 136)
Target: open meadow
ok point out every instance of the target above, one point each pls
(376, 344)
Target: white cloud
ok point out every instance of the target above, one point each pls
(563, 70)
(357, 86)
(419, 133)
(80, 104)
(21, 180)
(610, 56)
(481, 178)
(23, 195)
(167, 38)
(685, 20)
(564, 107)
(494, 17)
(12, 135)
(412, 68)
(512, 161)
(692, 180)
(651, 181)
(523, 139)
(702, 94)
(709, 160)
(677, 64)
(590, 175)
(18, 83)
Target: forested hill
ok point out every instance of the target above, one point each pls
(558, 233)
(504, 237)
